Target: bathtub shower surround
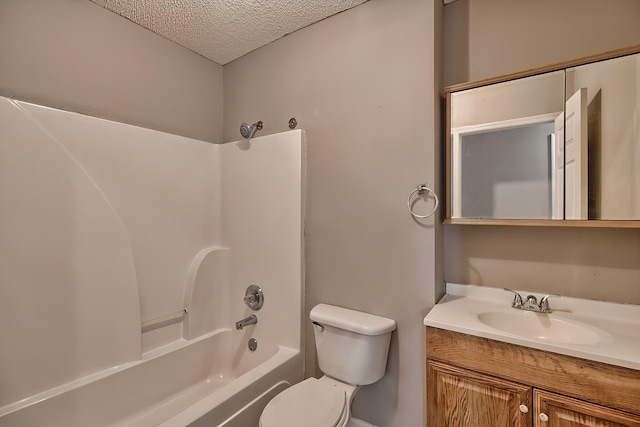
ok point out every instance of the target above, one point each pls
(124, 258)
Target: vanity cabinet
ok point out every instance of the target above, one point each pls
(473, 381)
(463, 398)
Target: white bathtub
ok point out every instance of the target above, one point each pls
(214, 380)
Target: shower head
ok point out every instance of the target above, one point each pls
(247, 131)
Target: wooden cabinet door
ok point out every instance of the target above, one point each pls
(553, 410)
(460, 398)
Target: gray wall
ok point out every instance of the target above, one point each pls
(488, 38)
(77, 56)
(485, 38)
(363, 84)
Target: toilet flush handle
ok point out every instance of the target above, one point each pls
(318, 325)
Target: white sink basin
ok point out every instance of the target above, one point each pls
(593, 330)
(541, 326)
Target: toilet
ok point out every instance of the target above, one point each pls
(352, 349)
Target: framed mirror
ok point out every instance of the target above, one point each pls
(611, 92)
(555, 146)
(503, 149)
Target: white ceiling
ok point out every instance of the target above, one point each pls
(223, 30)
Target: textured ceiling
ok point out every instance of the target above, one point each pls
(223, 30)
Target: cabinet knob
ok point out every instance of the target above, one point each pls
(543, 417)
(524, 409)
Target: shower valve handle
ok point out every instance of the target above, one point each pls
(254, 297)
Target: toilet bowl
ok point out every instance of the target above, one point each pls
(352, 349)
(314, 402)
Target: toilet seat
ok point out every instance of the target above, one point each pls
(311, 403)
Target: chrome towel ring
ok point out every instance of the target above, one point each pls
(421, 190)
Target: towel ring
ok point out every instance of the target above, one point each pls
(423, 189)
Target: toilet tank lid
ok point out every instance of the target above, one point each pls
(351, 320)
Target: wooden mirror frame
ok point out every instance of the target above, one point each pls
(486, 82)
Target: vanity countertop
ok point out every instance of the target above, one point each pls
(593, 330)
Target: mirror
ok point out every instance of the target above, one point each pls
(559, 145)
(503, 149)
(611, 91)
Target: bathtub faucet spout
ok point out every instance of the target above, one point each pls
(251, 320)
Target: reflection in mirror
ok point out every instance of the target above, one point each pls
(575, 156)
(612, 144)
(508, 173)
(506, 156)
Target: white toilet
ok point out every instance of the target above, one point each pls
(352, 349)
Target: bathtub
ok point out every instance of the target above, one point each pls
(214, 380)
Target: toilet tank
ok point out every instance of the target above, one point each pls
(352, 346)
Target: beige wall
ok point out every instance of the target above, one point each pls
(485, 38)
(362, 86)
(488, 38)
(77, 56)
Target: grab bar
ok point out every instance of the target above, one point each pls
(166, 318)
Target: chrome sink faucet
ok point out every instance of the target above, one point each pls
(531, 302)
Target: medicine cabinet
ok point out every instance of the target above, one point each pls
(559, 145)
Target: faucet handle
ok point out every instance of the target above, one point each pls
(517, 298)
(544, 303)
(254, 297)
